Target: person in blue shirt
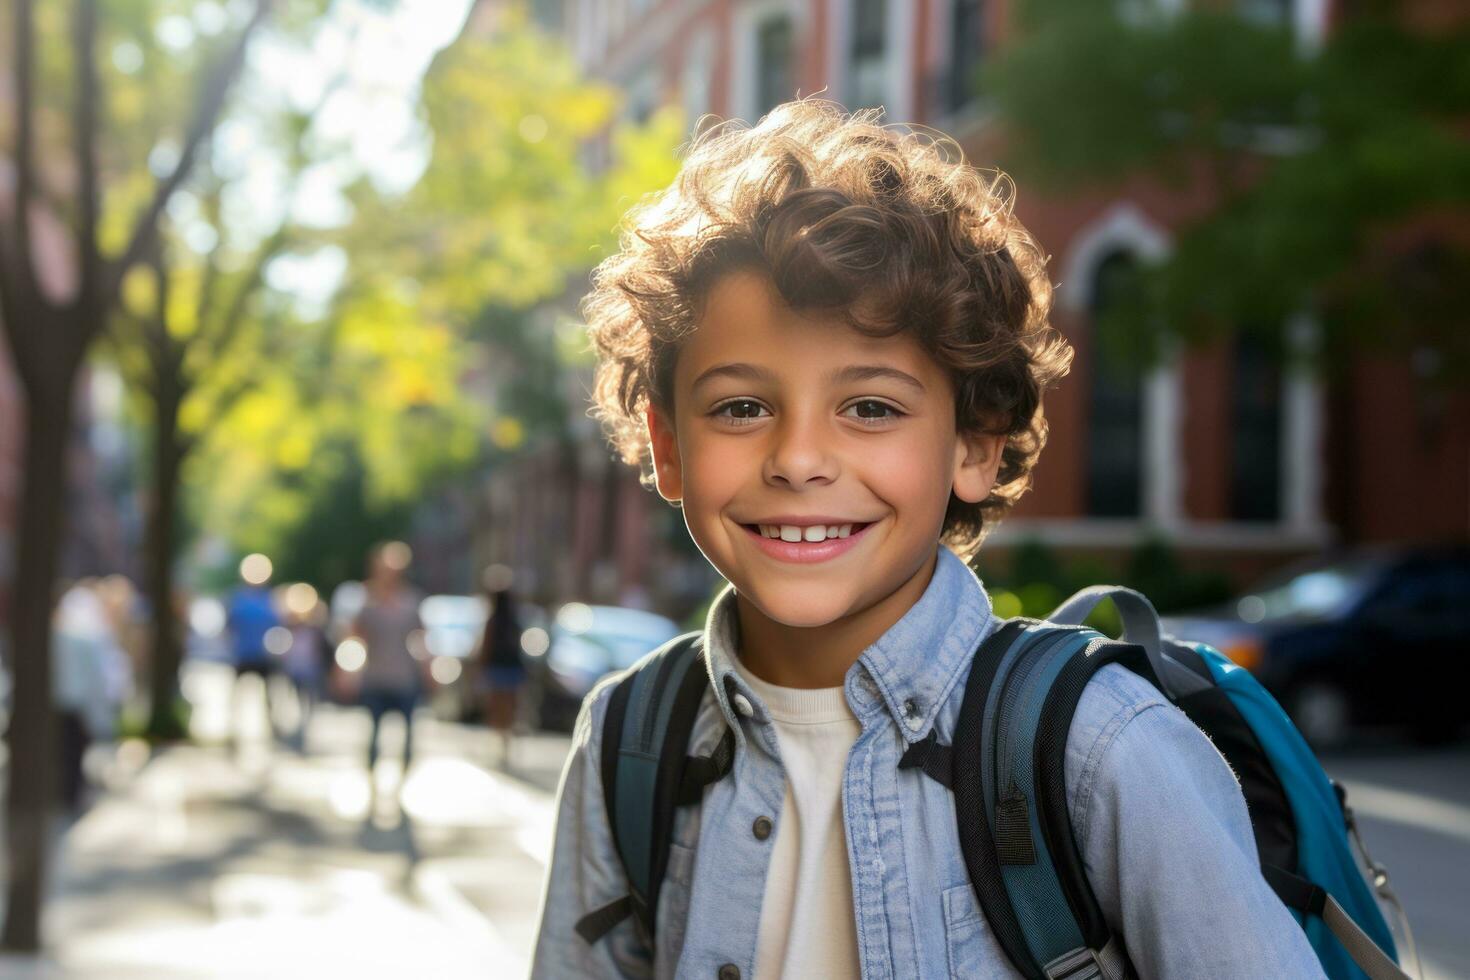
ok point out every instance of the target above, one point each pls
(250, 616)
(827, 342)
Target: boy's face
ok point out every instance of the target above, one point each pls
(789, 418)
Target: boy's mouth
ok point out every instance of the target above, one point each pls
(817, 542)
(806, 533)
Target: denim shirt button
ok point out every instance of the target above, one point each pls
(742, 705)
(729, 972)
(761, 828)
(913, 714)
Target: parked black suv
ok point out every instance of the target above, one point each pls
(1369, 636)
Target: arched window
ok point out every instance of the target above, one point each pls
(967, 44)
(1255, 432)
(773, 43)
(868, 64)
(1115, 403)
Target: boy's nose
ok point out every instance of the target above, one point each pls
(800, 454)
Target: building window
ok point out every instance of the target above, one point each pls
(694, 88)
(1268, 13)
(966, 53)
(1255, 431)
(1115, 410)
(773, 63)
(868, 63)
(642, 95)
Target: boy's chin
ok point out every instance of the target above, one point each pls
(797, 607)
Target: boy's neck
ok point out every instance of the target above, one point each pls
(819, 656)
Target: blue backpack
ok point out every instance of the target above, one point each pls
(1010, 806)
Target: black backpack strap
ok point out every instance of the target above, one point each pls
(1010, 796)
(977, 844)
(933, 757)
(646, 774)
(701, 770)
(1055, 722)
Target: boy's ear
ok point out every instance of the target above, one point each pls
(977, 461)
(668, 473)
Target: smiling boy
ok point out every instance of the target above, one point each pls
(865, 449)
(827, 342)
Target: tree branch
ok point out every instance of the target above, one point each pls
(88, 192)
(12, 308)
(126, 335)
(155, 327)
(19, 279)
(209, 283)
(230, 323)
(206, 114)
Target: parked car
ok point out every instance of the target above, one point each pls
(586, 643)
(1365, 637)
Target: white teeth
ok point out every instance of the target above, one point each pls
(812, 533)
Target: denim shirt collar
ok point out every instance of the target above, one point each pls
(911, 669)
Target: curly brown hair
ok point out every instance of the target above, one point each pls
(886, 226)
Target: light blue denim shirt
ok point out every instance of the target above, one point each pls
(1160, 819)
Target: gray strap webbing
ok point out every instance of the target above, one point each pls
(1140, 626)
(1113, 960)
(1364, 951)
(1082, 963)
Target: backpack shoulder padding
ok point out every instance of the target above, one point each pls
(645, 734)
(1022, 690)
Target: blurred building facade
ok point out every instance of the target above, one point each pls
(574, 522)
(1234, 460)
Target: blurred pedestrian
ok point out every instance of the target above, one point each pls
(391, 677)
(305, 660)
(502, 673)
(91, 680)
(252, 615)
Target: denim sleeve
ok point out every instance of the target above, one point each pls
(584, 873)
(1167, 843)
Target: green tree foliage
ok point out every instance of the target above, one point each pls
(441, 349)
(1337, 172)
(531, 170)
(371, 393)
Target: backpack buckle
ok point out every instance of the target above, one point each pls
(1078, 964)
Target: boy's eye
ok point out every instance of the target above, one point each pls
(740, 411)
(870, 410)
(744, 411)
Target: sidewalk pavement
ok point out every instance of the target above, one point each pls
(212, 861)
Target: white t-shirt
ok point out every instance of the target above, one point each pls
(808, 928)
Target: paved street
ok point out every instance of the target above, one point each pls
(1413, 806)
(208, 860)
(212, 861)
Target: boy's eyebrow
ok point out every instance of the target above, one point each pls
(853, 372)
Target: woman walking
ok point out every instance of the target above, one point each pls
(502, 674)
(392, 678)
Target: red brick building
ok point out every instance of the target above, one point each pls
(1236, 461)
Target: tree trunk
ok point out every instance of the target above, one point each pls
(30, 797)
(164, 722)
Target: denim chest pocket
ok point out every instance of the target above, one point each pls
(673, 902)
(972, 947)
